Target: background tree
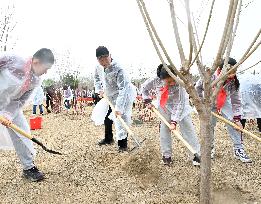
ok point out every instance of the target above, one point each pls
(48, 82)
(7, 26)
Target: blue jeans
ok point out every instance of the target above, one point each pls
(40, 107)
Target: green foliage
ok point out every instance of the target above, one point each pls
(70, 80)
(48, 83)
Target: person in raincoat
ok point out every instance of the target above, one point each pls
(110, 78)
(38, 100)
(250, 89)
(173, 104)
(18, 78)
(228, 104)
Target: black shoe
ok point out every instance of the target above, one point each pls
(196, 161)
(33, 174)
(122, 149)
(123, 145)
(105, 142)
(167, 161)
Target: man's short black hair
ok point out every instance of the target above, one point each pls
(231, 61)
(102, 51)
(162, 73)
(44, 55)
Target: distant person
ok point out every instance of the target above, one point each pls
(68, 96)
(250, 89)
(96, 98)
(50, 92)
(38, 100)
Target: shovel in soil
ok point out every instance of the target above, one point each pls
(25, 134)
(136, 140)
(236, 127)
(176, 133)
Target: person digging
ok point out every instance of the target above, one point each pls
(18, 78)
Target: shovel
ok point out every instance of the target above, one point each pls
(236, 127)
(176, 133)
(137, 142)
(30, 137)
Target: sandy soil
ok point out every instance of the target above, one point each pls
(87, 173)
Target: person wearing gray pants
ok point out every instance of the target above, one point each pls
(23, 146)
(228, 104)
(174, 107)
(18, 78)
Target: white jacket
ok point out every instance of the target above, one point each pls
(13, 89)
(116, 84)
(250, 89)
(178, 101)
(38, 96)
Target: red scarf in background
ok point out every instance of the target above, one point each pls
(27, 71)
(222, 94)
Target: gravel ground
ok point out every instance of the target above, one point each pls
(87, 173)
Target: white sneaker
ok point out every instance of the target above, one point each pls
(196, 161)
(212, 153)
(241, 155)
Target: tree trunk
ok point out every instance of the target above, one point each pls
(205, 167)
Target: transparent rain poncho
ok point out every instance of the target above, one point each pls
(116, 84)
(250, 88)
(68, 94)
(178, 101)
(16, 85)
(38, 96)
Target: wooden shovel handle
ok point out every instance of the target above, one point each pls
(236, 127)
(17, 129)
(175, 132)
(118, 117)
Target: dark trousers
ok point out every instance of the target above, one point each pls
(243, 121)
(40, 107)
(67, 104)
(108, 126)
(49, 102)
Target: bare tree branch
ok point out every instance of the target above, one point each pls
(7, 27)
(249, 67)
(190, 30)
(223, 39)
(245, 56)
(228, 47)
(230, 38)
(205, 34)
(176, 31)
(199, 63)
(155, 45)
(228, 42)
(159, 41)
(197, 38)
